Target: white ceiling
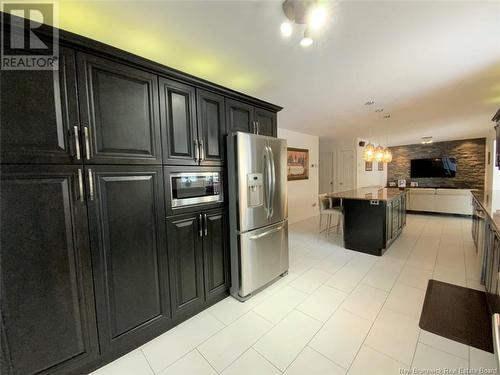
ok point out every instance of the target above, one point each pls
(434, 66)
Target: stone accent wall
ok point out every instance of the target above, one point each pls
(470, 155)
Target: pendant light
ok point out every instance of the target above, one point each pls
(387, 155)
(369, 152)
(379, 153)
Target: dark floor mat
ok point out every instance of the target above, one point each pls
(457, 313)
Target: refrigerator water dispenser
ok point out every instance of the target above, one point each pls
(255, 190)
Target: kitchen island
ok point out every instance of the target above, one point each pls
(373, 218)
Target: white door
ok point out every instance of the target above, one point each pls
(345, 170)
(326, 172)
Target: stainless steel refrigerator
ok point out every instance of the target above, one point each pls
(258, 210)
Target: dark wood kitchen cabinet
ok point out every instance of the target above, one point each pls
(126, 215)
(185, 248)
(193, 125)
(240, 116)
(266, 122)
(198, 259)
(244, 117)
(48, 313)
(215, 253)
(178, 119)
(211, 127)
(119, 110)
(39, 114)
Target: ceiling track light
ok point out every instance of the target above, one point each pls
(310, 13)
(306, 40)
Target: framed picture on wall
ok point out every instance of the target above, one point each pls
(297, 164)
(368, 166)
(380, 165)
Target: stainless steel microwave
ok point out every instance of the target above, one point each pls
(194, 188)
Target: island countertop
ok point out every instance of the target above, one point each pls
(369, 193)
(489, 200)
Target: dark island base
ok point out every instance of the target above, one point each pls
(371, 226)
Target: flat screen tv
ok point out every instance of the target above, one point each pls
(436, 167)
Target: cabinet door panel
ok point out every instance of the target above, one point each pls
(38, 113)
(48, 314)
(129, 252)
(186, 262)
(177, 108)
(215, 254)
(239, 116)
(119, 104)
(267, 122)
(211, 127)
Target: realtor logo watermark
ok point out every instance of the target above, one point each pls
(23, 45)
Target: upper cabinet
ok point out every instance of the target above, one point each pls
(211, 127)
(244, 117)
(266, 122)
(119, 112)
(39, 114)
(193, 125)
(240, 116)
(178, 119)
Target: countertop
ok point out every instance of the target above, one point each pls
(490, 202)
(382, 194)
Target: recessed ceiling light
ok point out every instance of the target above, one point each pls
(286, 29)
(370, 102)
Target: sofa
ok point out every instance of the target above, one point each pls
(449, 201)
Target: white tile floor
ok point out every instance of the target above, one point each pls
(337, 312)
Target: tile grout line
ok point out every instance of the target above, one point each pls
(382, 307)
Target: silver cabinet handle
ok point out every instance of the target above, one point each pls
(87, 142)
(202, 151)
(81, 198)
(495, 325)
(91, 185)
(206, 224)
(258, 127)
(255, 127)
(77, 143)
(200, 226)
(196, 151)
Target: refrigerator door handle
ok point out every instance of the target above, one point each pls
(267, 233)
(269, 181)
(273, 182)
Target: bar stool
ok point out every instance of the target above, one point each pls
(330, 206)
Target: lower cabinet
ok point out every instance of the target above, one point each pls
(127, 222)
(87, 271)
(47, 316)
(198, 259)
(395, 217)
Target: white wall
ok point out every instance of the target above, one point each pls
(368, 178)
(303, 194)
